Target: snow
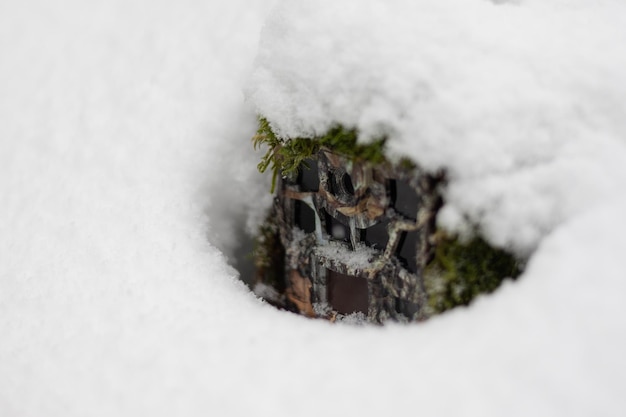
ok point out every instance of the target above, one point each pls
(128, 182)
(517, 101)
(359, 258)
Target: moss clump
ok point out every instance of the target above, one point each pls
(461, 271)
(285, 156)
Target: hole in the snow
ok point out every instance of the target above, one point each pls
(306, 260)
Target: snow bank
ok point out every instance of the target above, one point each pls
(124, 147)
(521, 102)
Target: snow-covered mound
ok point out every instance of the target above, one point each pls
(521, 102)
(127, 176)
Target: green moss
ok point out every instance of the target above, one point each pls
(284, 156)
(461, 271)
(407, 164)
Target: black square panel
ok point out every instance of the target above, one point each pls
(404, 198)
(376, 236)
(346, 294)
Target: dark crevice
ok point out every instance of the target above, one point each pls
(407, 250)
(308, 176)
(304, 217)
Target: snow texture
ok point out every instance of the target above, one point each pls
(128, 181)
(359, 258)
(521, 103)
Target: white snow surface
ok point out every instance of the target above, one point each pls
(127, 180)
(521, 102)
